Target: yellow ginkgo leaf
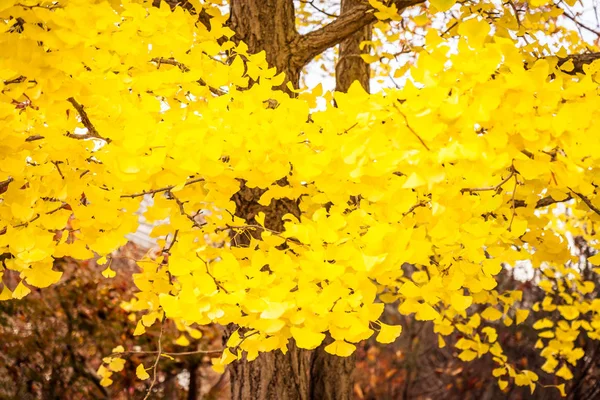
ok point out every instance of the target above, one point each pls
(564, 372)
(116, 364)
(521, 315)
(442, 5)
(459, 302)
(20, 291)
(141, 372)
(426, 313)
(388, 333)
(340, 348)
(491, 314)
(306, 338)
(108, 273)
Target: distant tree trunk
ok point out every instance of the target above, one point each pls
(194, 388)
(350, 66)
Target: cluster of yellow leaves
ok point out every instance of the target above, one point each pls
(102, 104)
(398, 38)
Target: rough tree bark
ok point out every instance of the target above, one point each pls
(350, 66)
(268, 25)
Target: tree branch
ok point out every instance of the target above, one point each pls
(587, 202)
(494, 188)
(4, 184)
(184, 68)
(579, 60)
(165, 189)
(85, 120)
(543, 202)
(305, 47)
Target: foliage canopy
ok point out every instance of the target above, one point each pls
(417, 196)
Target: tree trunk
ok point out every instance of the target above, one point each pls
(273, 376)
(268, 25)
(350, 66)
(331, 376)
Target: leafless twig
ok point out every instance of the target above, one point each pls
(490, 188)
(164, 189)
(155, 368)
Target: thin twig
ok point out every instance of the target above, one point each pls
(18, 79)
(155, 368)
(58, 168)
(414, 207)
(37, 216)
(50, 7)
(164, 189)
(167, 249)
(449, 29)
(85, 120)
(513, 205)
(581, 24)
(311, 3)
(514, 7)
(182, 353)
(185, 68)
(182, 211)
(217, 283)
(410, 128)
(349, 129)
(586, 201)
(490, 188)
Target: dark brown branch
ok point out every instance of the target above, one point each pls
(181, 206)
(4, 184)
(587, 202)
(34, 138)
(543, 202)
(165, 189)
(305, 47)
(581, 24)
(56, 164)
(167, 248)
(85, 120)
(579, 60)
(18, 79)
(414, 207)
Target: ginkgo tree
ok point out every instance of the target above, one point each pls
(291, 225)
